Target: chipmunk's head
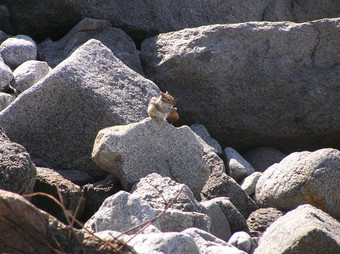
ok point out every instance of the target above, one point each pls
(167, 98)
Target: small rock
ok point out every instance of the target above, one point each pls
(302, 178)
(261, 219)
(123, 211)
(133, 151)
(5, 100)
(219, 223)
(17, 50)
(205, 139)
(248, 184)
(214, 162)
(210, 244)
(263, 157)
(6, 74)
(49, 181)
(76, 176)
(242, 241)
(17, 171)
(29, 73)
(222, 185)
(303, 230)
(238, 167)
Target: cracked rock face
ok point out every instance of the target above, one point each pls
(267, 84)
(133, 151)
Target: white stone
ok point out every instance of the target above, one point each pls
(241, 240)
(248, 184)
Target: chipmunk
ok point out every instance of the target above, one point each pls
(161, 107)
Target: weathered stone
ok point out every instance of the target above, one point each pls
(214, 162)
(29, 73)
(45, 18)
(261, 219)
(17, 50)
(238, 167)
(244, 77)
(26, 229)
(248, 184)
(57, 120)
(76, 176)
(222, 185)
(236, 221)
(303, 230)
(242, 241)
(160, 191)
(219, 223)
(96, 193)
(5, 100)
(156, 243)
(6, 74)
(209, 144)
(176, 221)
(50, 182)
(133, 151)
(115, 39)
(302, 178)
(209, 244)
(122, 212)
(17, 172)
(263, 157)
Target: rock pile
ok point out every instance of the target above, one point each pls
(84, 170)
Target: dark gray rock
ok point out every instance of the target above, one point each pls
(17, 172)
(221, 185)
(263, 157)
(244, 77)
(259, 220)
(302, 178)
(209, 144)
(57, 120)
(303, 230)
(115, 39)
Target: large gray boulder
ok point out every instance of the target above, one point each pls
(58, 118)
(254, 84)
(17, 50)
(140, 18)
(133, 151)
(302, 178)
(303, 230)
(115, 39)
(17, 171)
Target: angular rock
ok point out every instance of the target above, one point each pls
(302, 178)
(122, 212)
(42, 232)
(115, 39)
(57, 120)
(76, 176)
(303, 230)
(263, 157)
(160, 191)
(156, 243)
(248, 184)
(133, 151)
(17, 50)
(96, 193)
(243, 77)
(238, 167)
(214, 162)
(50, 182)
(261, 219)
(6, 74)
(236, 221)
(5, 100)
(222, 185)
(209, 144)
(209, 244)
(17, 171)
(242, 241)
(219, 223)
(176, 221)
(29, 73)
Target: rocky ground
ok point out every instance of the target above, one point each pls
(252, 166)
